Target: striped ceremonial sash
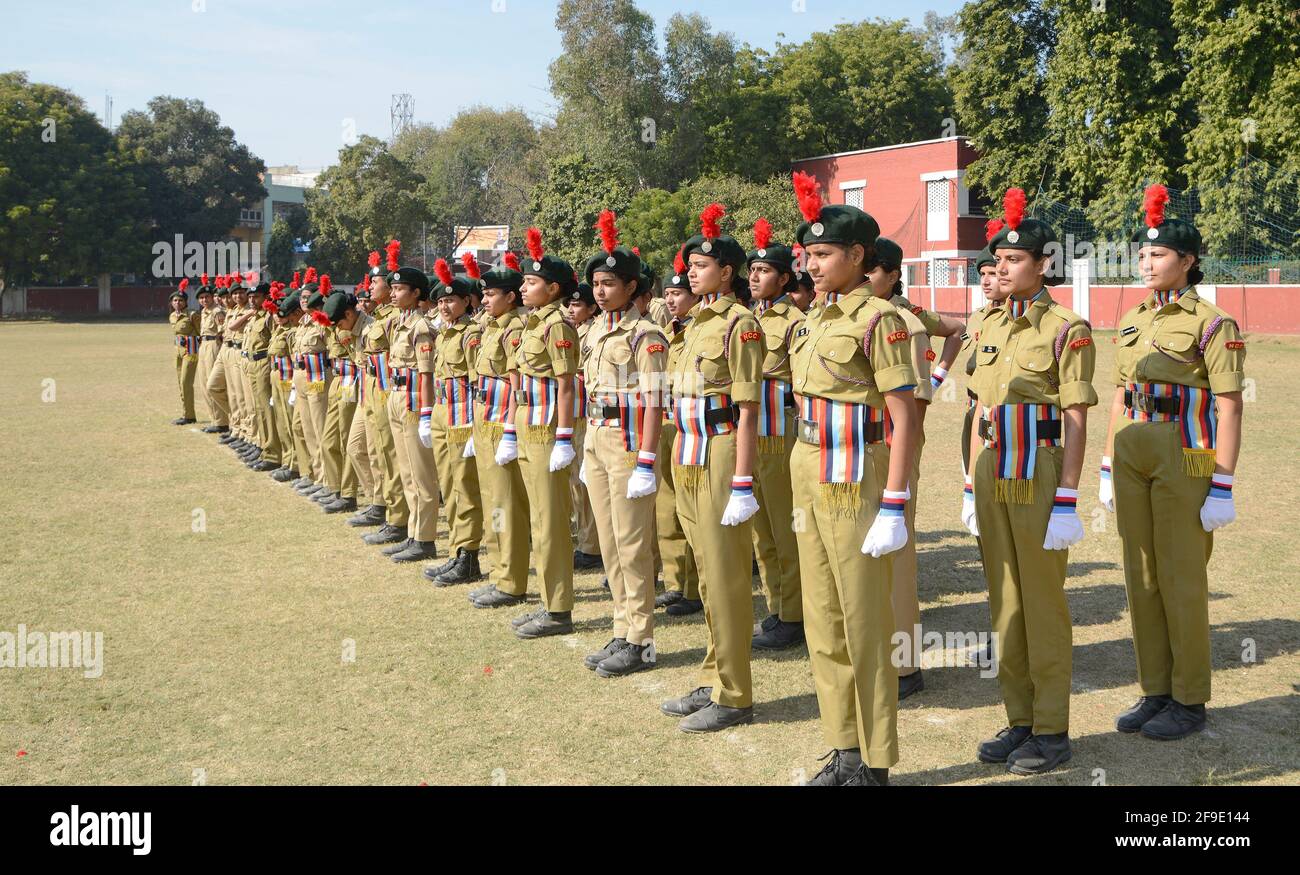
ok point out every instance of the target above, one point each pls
(1016, 441)
(412, 387)
(541, 393)
(771, 408)
(455, 393)
(188, 342)
(379, 364)
(346, 370)
(691, 447)
(1197, 420)
(283, 367)
(842, 436)
(315, 364)
(631, 416)
(496, 398)
(579, 397)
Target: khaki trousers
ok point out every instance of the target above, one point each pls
(584, 523)
(212, 382)
(284, 421)
(186, 365)
(363, 458)
(774, 538)
(259, 377)
(680, 573)
(505, 510)
(458, 482)
(419, 473)
(550, 507)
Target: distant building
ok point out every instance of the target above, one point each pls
(487, 242)
(286, 188)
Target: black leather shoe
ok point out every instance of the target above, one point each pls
(480, 591)
(842, 765)
(416, 551)
(286, 475)
(998, 748)
(1041, 753)
(868, 777)
(210, 429)
(715, 718)
(684, 607)
(325, 496)
(495, 598)
(1147, 707)
(700, 697)
(394, 549)
(182, 421)
(668, 597)
(1175, 721)
(586, 561)
(768, 622)
(518, 621)
(226, 438)
(910, 685)
(340, 505)
(549, 623)
(263, 466)
(629, 659)
(307, 485)
(386, 535)
(464, 569)
(780, 636)
(371, 516)
(433, 571)
(591, 660)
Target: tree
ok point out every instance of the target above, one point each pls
(697, 64)
(71, 202)
(361, 203)
(199, 177)
(279, 254)
(566, 204)
(998, 90)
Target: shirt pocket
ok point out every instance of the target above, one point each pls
(1178, 345)
(711, 361)
(986, 355)
(533, 352)
(840, 356)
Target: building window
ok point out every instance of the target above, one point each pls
(940, 271)
(250, 217)
(853, 197)
(936, 209)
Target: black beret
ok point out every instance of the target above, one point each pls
(726, 249)
(778, 255)
(622, 263)
(985, 259)
(889, 253)
(551, 269)
(337, 304)
(289, 304)
(839, 223)
(1033, 236)
(411, 276)
(260, 289)
(584, 294)
(1179, 235)
(501, 278)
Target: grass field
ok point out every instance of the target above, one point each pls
(224, 650)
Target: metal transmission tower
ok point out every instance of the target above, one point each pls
(403, 113)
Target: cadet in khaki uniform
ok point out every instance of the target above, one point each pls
(233, 335)
(987, 267)
(363, 458)
(185, 330)
(281, 352)
(681, 595)
(298, 322)
(379, 432)
(541, 376)
(217, 374)
(210, 316)
(921, 324)
(625, 372)
(453, 424)
(581, 308)
(311, 383)
(504, 498)
(715, 406)
(771, 277)
(410, 411)
(257, 342)
(340, 481)
(852, 373)
(344, 314)
(1175, 433)
(1033, 376)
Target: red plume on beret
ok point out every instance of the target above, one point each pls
(991, 228)
(709, 226)
(608, 232)
(394, 249)
(471, 265)
(364, 285)
(205, 280)
(252, 278)
(534, 240)
(512, 261)
(762, 233)
(310, 276)
(374, 258)
(269, 306)
(219, 282)
(185, 284)
(325, 286)
(1157, 196)
(679, 263)
(636, 250)
(297, 281)
(319, 317)
(1013, 207)
(443, 270)
(809, 195)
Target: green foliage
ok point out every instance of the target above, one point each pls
(565, 205)
(279, 254)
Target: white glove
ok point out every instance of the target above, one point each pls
(469, 449)
(741, 505)
(293, 395)
(271, 403)
(1218, 509)
(426, 427)
(582, 472)
(888, 531)
(1064, 528)
(508, 449)
(1106, 492)
(562, 454)
(643, 481)
(968, 518)
(937, 376)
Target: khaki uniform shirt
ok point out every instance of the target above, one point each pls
(657, 311)
(548, 346)
(921, 324)
(628, 357)
(210, 321)
(779, 323)
(257, 333)
(184, 324)
(455, 349)
(1016, 360)
(852, 351)
(410, 341)
(1163, 345)
(722, 353)
(497, 343)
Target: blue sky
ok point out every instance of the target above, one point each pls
(289, 75)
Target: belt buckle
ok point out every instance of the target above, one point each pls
(986, 430)
(809, 432)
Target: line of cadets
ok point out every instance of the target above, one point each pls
(739, 419)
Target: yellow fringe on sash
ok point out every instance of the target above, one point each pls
(689, 476)
(1198, 463)
(316, 387)
(1014, 491)
(491, 430)
(842, 499)
(191, 358)
(460, 435)
(538, 434)
(631, 459)
(771, 445)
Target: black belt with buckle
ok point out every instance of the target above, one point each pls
(789, 400)
(722, 415)
(521, 397)
(1048, 429)
(601, 411)
(211, 337)
(258, 356)
(400, 379)
(1145, 403)
(231, 344)
(809, 431)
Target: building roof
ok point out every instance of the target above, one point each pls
(880, 148)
